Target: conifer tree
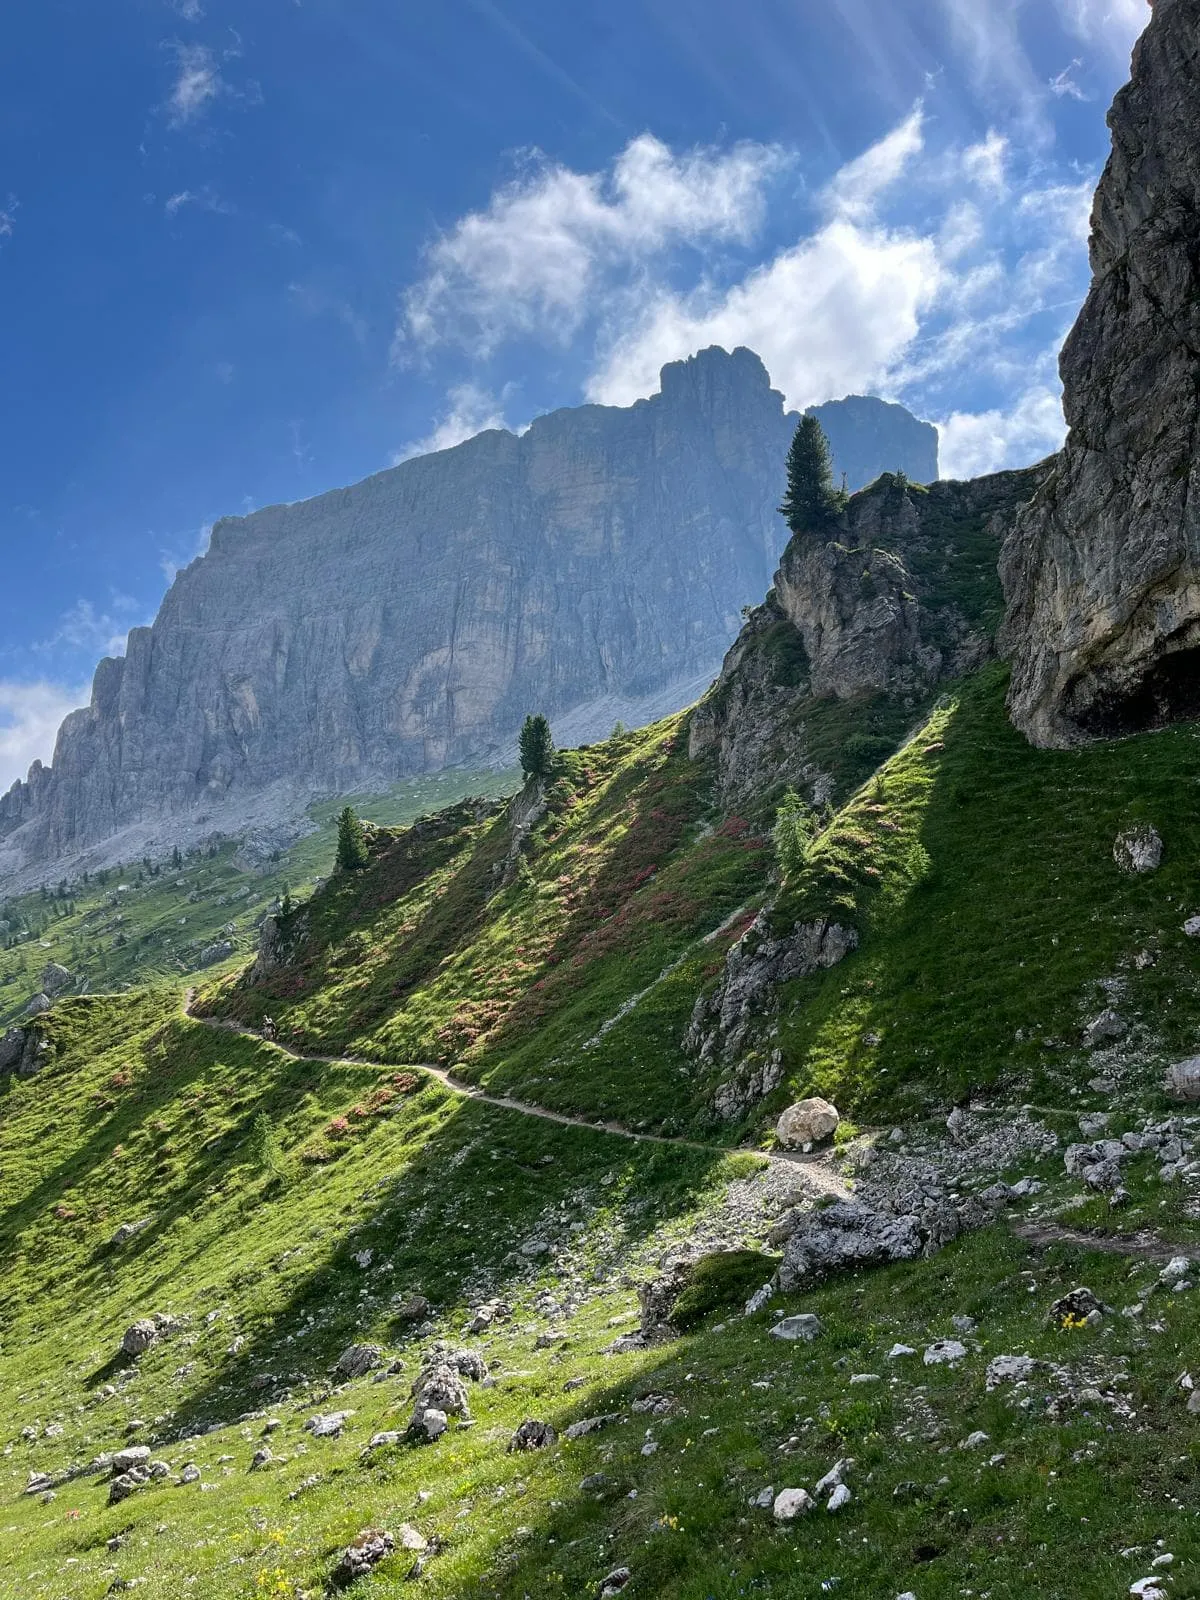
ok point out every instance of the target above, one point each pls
(352, 851)
(811, 500)
(537, 747)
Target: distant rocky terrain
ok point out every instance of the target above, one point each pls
(592, 568)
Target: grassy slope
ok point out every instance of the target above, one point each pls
(153, 929)
(980, 874)
(971, 855)
(441, 1190)
(431, 955)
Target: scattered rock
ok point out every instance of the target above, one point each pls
(262, 1458)
(1080, 1306)
(840, 1497)
(365, 1552)
(806, 1326)
(412, 1308)
(586, 1425)
(614, 1582)
(1183, 1079)
(1138, 849)
(357, 1360)
(428, 1424)
(127, 1231)
(1010, 1369)
(1192, 927)
(792, 1503)
(327, 1425)
(532, 1435)
(944, 1352)
(806, 1123)
(1108, 1025)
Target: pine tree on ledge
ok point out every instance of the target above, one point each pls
(537, 747)
(811, 501)
(352, 852)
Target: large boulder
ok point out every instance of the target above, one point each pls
(56, 979)
(806, 1123)
(1102, 571)
(848, 1235)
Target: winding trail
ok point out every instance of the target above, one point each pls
(817, 1170)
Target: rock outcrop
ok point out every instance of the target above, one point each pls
(592, 568)
(1102, 573)
(898, 594)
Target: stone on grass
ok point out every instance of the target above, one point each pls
(327, 1425)
(1138, 849)
(806, 1326)
(586, 1425)
(944, 1352)
(976, 1440)
(1183, 1079)
(835, 1475)
(356, 1360)
(410, 1538)
(1192, 927)
(379, 1441)
(532, 1435)
(127, 1231)
(791, 1503)
(136, 1455)
(840, 1497)
(614, 1582)
(1009, 1369)
(898, 1351)
(1079, 1306)
(363, 1553)
(139, 1336)
(263, 1457)
(428, 1423)
(806, 1123)
(190, 1473)
(412, 1308)
(1107, 1026)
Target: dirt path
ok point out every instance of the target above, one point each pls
(817, 1170)
(1145, 1245)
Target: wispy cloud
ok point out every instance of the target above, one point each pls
(313, 301)
(94, 629)
(8, 216)
(469, 410)
(30, 715)
(533, 259)
(1063, 85)
(198, 83)
(203, 199)
(189, 10)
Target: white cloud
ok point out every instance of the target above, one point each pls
(861, 183)
(1063, 85)
(30, 714)
(198, 83)
(205, 199)
(832, 313)
(469, 410)
(8, 217)
(189, 10)
(533, 259)
(1115, 24)
(988, 441)
(986, 163)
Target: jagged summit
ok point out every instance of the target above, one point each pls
(592, 567)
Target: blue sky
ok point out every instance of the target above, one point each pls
(253, 249)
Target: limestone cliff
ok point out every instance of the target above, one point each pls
(869, 437)
(1102, 574)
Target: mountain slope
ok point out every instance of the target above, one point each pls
(592, 568)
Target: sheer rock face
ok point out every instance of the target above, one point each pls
(869, 437)
(592, 568)
(1102, 573)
